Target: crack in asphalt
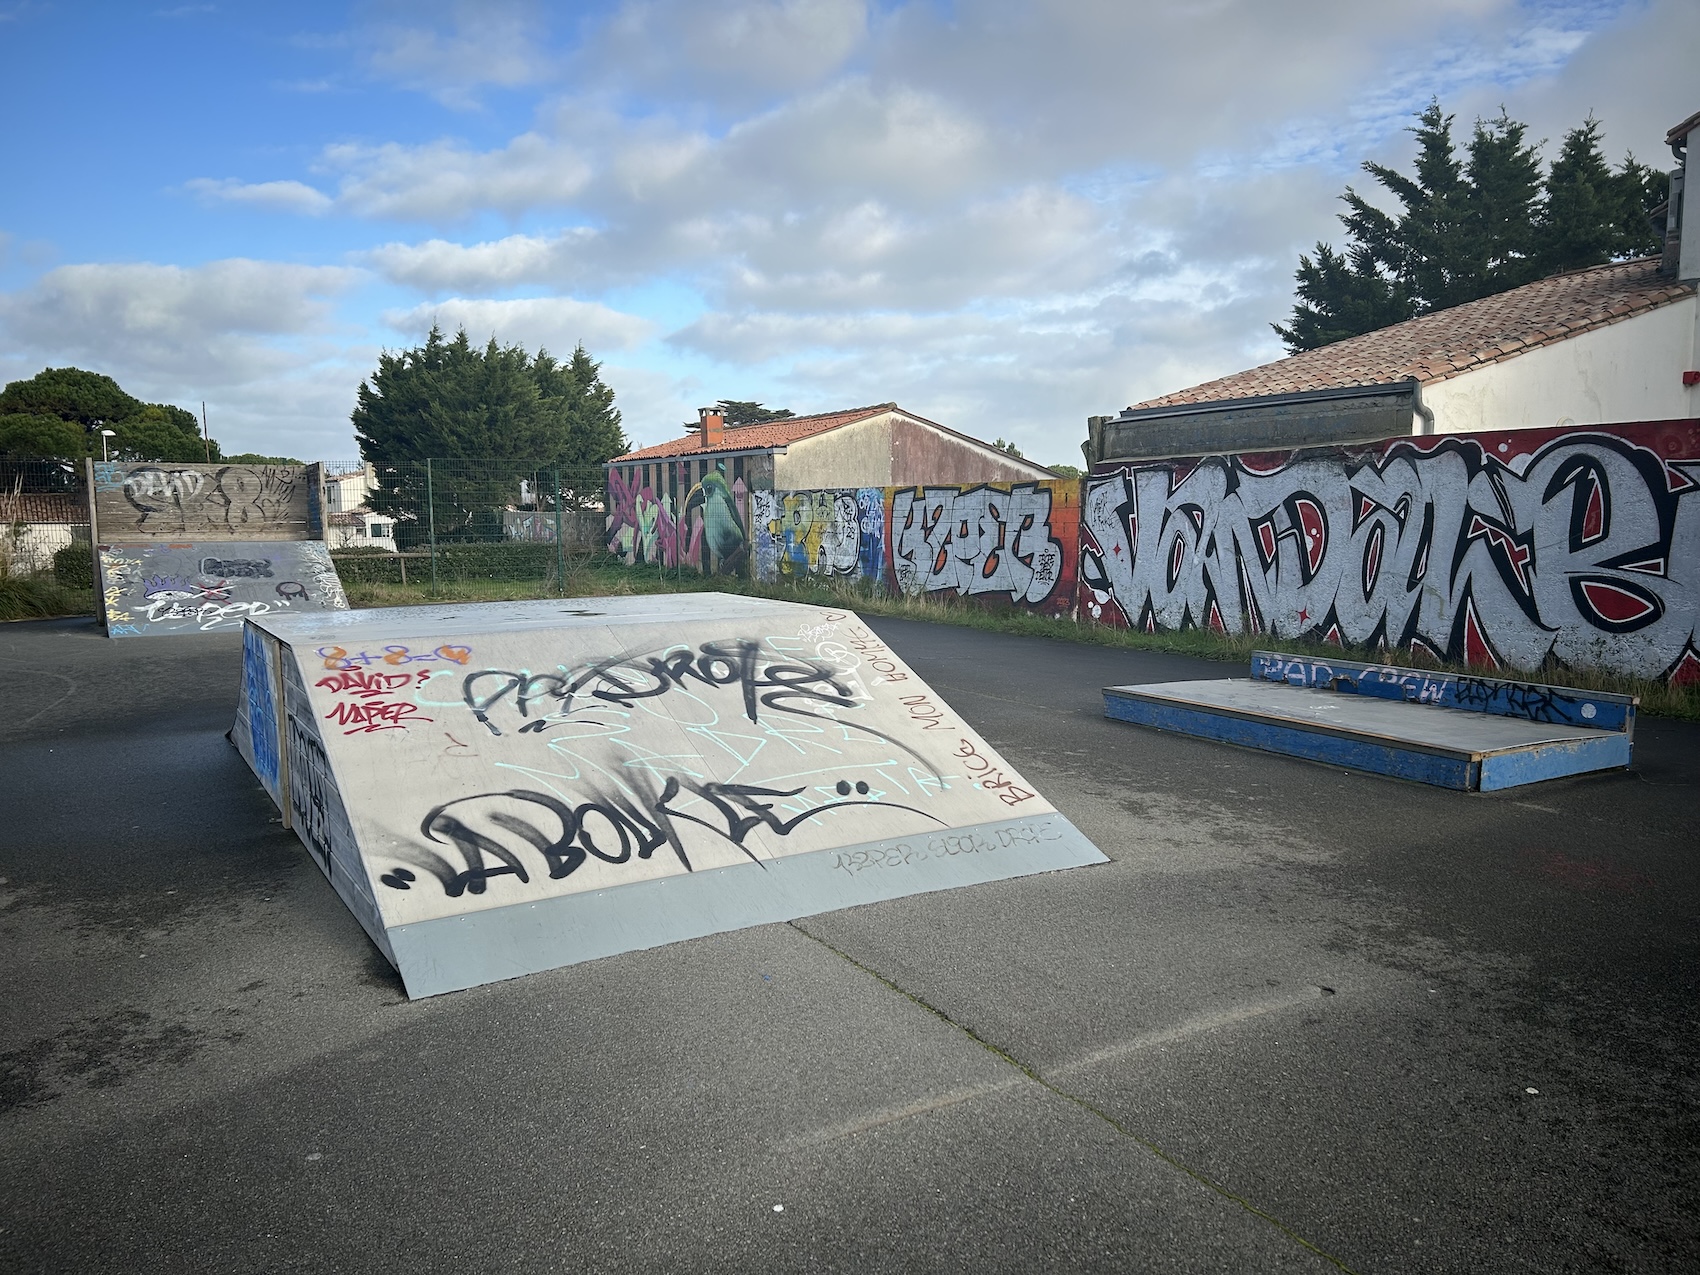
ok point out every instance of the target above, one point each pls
(1038, 1078)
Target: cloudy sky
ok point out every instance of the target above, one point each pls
(1004, 215)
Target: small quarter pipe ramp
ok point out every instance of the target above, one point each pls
(501, 788)
(148, 590)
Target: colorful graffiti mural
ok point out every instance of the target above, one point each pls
(1006, 540)
(836, 533)
(706, 533)
(1014, 542)
(1581, 546)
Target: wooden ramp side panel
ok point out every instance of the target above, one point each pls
(161, 589)
(1554, 760)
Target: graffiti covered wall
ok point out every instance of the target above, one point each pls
(1493, 549)
(1017, 542)
(704, 530)
(833, 533)
(141, 500)
(1014, 542)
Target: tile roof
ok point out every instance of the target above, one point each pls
(1450, 342)
(42, 506)
(743, 438)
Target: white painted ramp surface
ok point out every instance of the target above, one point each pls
(524, 785)
(1417, 725)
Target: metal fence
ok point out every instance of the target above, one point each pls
(44, 511)
(443, 522)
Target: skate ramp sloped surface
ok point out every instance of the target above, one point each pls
(501, 788)
(160, 589)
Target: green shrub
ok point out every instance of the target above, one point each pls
(32, 597)
(511, 561)
(73, 566)
(375, 566)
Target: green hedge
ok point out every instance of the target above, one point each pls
(454, 562)
(73, 566)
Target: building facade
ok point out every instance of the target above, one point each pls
(686, 502)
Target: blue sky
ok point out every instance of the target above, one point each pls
(1005, 216)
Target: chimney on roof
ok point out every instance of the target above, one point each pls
(1682, 234)
(711, 427)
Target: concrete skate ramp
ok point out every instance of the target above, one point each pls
(500, 788)
(147, 590)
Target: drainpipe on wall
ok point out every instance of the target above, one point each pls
(1422, 410)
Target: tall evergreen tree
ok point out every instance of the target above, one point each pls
(1593, 215)
(1581, 222)
(1504, 182)
(1470, 228)
(499, 412)
(1341, 295)
(448, 398)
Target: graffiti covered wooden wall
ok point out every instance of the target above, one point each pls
(152, 500)
(1491, 549)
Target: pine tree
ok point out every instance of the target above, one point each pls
(1504, 180)
(1341, 296)
(1581, 223)
(1471, 228)
(449, 400)
(739, 411)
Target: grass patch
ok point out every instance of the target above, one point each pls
(41, 597)
(602, 576)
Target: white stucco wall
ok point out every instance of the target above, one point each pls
(1628, 371)
(857, 455)
(893, 450)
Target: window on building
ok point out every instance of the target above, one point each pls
(378, 530)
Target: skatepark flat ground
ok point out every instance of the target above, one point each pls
(1303, 1020)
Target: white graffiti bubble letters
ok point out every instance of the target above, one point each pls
(1586, 555)
(977, 540)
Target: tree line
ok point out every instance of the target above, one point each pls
(1471, 226)
(59, 414)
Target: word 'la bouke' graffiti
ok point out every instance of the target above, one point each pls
(1589, 552)
(479, 774)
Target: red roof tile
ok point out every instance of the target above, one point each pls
(743, 438)
(42, 506)
(1450, 342)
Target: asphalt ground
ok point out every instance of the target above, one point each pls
(1306, 1019)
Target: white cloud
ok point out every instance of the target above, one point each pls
(731, 54)
(253, 338)
(276, 196)
(171, 316)
(444, 181)
(452, 50)
(1007, 214)
(555, 323)
(438, 264)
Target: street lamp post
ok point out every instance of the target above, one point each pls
(104, 435)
